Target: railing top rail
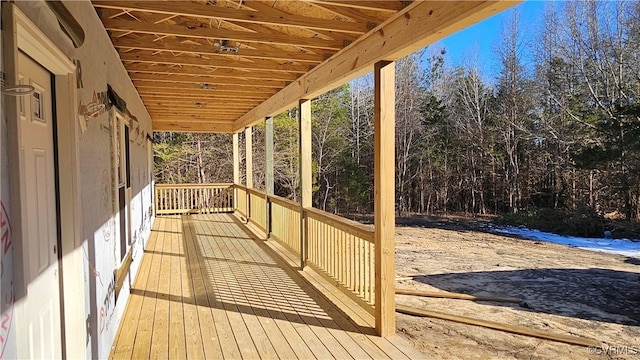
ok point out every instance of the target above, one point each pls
(185, 186)
(255, 191)
(240, 186)
(284, 202)
(353, 227)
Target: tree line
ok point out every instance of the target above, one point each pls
(557, 127)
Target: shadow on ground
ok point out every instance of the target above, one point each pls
(591, 294)
(632, 261)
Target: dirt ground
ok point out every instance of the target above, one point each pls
(569, 291)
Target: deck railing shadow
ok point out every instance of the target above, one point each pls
(242, 274)
(340, 250)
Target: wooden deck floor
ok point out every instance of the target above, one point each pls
(208, 289)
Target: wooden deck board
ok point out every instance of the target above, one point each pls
(325, 345)
(144, 331)
(126, 336)
(211, 345)
(207, 288)
(252, 321)
(160, 335)
(200, 319)
(177, 337)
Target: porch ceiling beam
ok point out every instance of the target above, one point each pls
(191, 126)
(190, 104)
(211, 119)
(191, 118)
(187, 114)
(385, 5)
(206, 105)
(206, 49)
(187, 79)
(195, 118)
(239, 15)
(263, 8)
(255, 64)
(223, 114)
(198, 86)
(418, 25)
(198, 97)
(203, 93)
(214, 33)
(202, 71)
(229, 111)
(355, 14)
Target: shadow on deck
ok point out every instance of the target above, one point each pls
(208, 289)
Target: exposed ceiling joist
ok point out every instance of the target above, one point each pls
(211, 116)
(260, 57)
(183, 125)
(203, 71)
(214, 88)
(207, 49)
(190, 96)
(206, 107)
(384, 5)
(256, 64)
(331, 33)
(355, 14)
(213, 33)
(188, 79)
(192, 9)
(202, 94)
(418, 25)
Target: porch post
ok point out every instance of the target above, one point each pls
(236, 169)
(248, 143)
(304, 153)
(268, 180)
(384, 201)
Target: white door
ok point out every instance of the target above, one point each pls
(42, 308)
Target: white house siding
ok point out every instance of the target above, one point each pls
(7, 332)
(100, 66)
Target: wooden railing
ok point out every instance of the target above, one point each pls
(339, 249)
(344, 251)
(241, 200)
(285, 223)
(196, 198)
(258, 209)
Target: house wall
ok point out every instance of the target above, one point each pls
(97, 252)
(7, 333)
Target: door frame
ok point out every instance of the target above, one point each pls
(119, 122)
(19, 33)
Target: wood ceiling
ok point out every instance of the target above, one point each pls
(201, 65)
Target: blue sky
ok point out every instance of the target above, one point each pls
(479, 41)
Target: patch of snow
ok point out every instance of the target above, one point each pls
(624, 247)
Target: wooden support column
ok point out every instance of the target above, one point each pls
(384, 201)
(236, 168)
(268, 180)
(248, 145)
(304, 154)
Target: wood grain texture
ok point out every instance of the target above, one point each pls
(238, 298)
(412, 28)
(384, 196)
(240, 15)
(304, 167)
